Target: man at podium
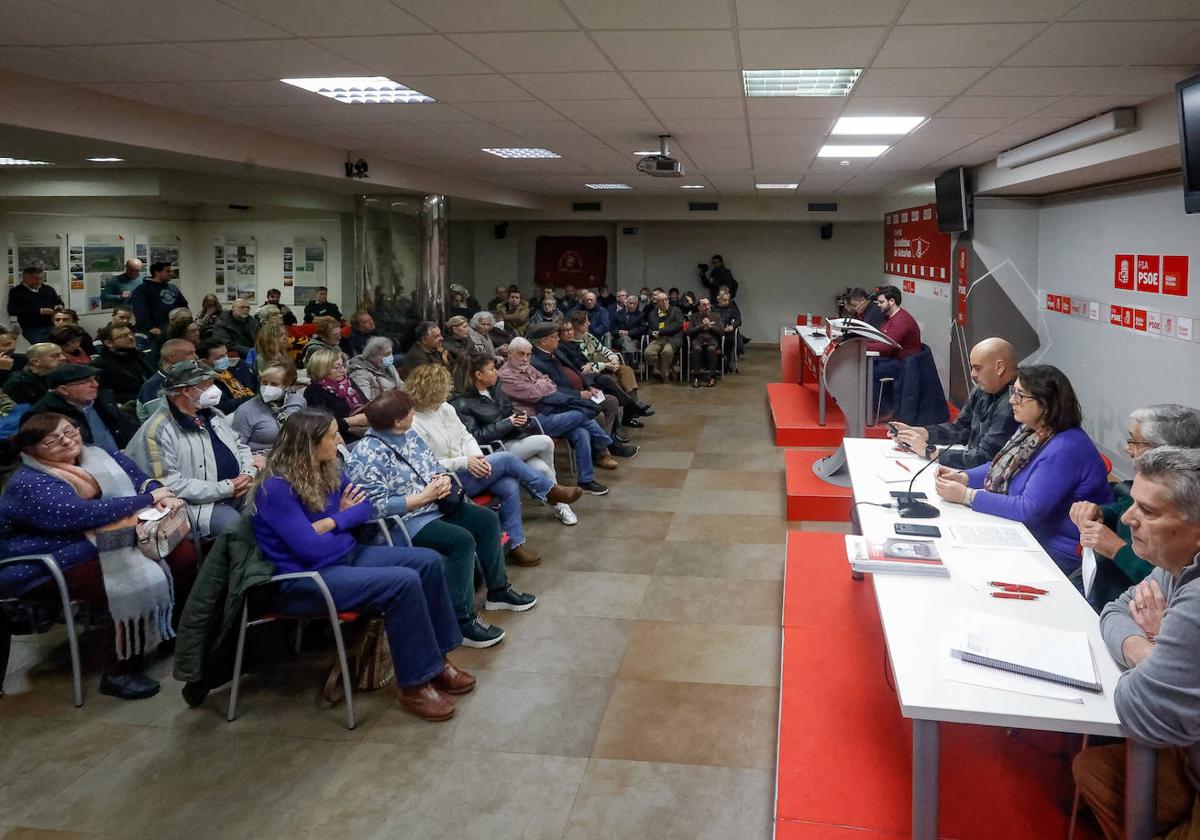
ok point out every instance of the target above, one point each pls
(901, 328)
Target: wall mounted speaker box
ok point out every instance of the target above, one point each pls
(827, 231)
(500, 230)
(585, 207)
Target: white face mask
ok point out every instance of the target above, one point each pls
(271, 393)
(209, 398)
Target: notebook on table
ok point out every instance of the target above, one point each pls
(895, 556)
(1019, 647)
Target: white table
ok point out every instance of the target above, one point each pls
(914, 611)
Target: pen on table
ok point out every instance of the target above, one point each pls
(1018, 587)
(1016, 596)
(901, 465)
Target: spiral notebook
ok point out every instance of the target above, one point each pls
(1060, 656)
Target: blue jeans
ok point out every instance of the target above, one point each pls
(508, 474)
(583, 432)
(406, 586)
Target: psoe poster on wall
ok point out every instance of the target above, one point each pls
(914, 247)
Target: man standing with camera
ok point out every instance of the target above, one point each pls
(718, 277)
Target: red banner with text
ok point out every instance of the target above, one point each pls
(579, 261)
(914, 247)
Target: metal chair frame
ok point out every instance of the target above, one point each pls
(68, 617)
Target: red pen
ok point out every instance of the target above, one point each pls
(1018, 587)
(1016, 596)
(900, 464)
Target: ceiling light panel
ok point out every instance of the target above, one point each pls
(608, 186)
(832, 82)
(362, 90)
(852, 151)
(106, 160)
(691, 187)
(522, 153)
(6, 161)
(776, 186)
(876, 126)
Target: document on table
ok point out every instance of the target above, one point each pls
(955, 670)
(975, 535)
(1007, 645)
(978, 568)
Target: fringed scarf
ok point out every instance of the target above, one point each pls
(1013, 457)
(140, 591)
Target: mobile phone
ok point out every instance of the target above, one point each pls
(892, 430)
(910, 529)
(903, 494)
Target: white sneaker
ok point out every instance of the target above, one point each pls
(563, 511)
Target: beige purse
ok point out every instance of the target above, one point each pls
(159, 537)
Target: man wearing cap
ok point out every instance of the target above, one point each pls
(75, 393)
(190, 447)
(150, 396)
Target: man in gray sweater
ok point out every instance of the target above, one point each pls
(1154, 630)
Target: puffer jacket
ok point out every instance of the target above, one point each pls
(371, 379)
(204, 645)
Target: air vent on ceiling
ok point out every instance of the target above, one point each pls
(702, 206)
(585, 206)
(822, 207)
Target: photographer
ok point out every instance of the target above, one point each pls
(716, 278)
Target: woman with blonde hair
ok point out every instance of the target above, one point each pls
(331, 388)
(501, 473)
(327, 335)
(303, 513)
(272, 344)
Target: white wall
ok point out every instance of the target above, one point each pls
(782, 267)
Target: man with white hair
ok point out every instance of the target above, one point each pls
(1153, 630)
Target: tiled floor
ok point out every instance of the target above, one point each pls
(638, 700)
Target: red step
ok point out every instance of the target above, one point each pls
(808, 497)
(795, 410)
(789, 358)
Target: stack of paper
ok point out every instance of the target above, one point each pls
(1019, 647)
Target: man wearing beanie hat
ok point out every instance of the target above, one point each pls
(75, 393)
(190, 447)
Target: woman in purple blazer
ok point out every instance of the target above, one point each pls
(1048, 464)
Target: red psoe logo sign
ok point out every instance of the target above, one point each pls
(1175, 275)
(1115, 317)
(1148, 278)
(1123, 272)
(960, 262)
(1139, 320)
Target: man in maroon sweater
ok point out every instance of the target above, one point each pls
(900, 327)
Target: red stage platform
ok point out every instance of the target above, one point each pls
(795, 410)
(844, 762)
(808, 497)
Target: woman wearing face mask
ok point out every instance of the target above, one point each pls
(191, 448)
(375, 370)
(257, 422)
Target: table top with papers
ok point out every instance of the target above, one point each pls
(916, 611)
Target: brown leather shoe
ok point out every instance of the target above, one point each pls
(522, 556)
(559, 494)
(426, 702)
(605, 461)
(453, 680)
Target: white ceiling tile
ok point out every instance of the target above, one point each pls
(510, 111)
(723, 161)
(259, 94)
(661, 14)
(995, 106)
(492, 16)
(684, 126)
(765, 49)
(166, 94)
(835, 166)
(37, 23)
(1018, 81)
(488, 87)
(603, 158)
(602, 109)
(1031, 128)
(978, 126)
(894, 106)
(823, 181)
(162, 63)
(1082, 107)
(804, 145)
(320, 18)
(678, 85)
(798, 107)
(960, 45)
(1107, 43)
(548, 133)
(865, 184)
(670, 50)
(813, 125)
(195, 20)
(50, 64)
(622, 133)
(913, 82)
(983, 11)
(1138, 81)
(729, 108)
(401, 55)
(574, 85)
(293, 58)
(534, 52)
(776, 14)
(731, 183)
(712, 144)
(1141, 10)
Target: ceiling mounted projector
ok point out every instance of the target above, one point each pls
(1112, 124)
(661, 165)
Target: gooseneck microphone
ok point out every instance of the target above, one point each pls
(911, 508)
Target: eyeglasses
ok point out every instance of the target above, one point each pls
(1132, 442)
(1019, 396)
(70, 434)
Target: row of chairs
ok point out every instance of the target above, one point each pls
(681, 365)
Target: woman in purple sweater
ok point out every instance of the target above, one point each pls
(304, 510)
(1048, 464)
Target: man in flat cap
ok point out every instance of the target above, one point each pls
(75, 393)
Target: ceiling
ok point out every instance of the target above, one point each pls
(595, 80)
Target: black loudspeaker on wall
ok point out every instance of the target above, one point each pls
(500, 230)
(827, 231)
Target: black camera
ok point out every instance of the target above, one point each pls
(702, 268)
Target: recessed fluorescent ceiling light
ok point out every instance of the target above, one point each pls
(876, 125)
(106, 160)
(608, 186)
(362, 90)
(522, 153)
(22, 162)
(691, 186)
(776, 186)
(646, 154)
(800, 82)
(852, 151)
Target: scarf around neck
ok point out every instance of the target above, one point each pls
(1021, 448)
(344, 390)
